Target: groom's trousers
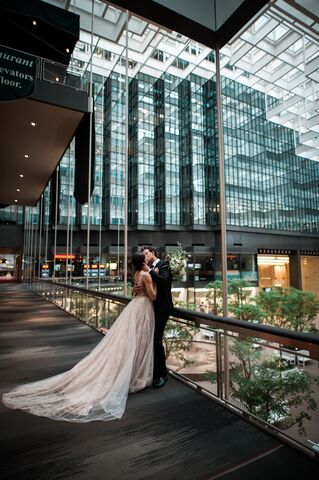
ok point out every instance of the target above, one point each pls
(160, 369)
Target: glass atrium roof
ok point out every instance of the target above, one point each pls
(276, 53)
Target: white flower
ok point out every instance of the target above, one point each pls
(178, 262)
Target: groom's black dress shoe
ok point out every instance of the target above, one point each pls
(159, 382)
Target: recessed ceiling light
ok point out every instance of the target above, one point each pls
(67, 50)
(21, 175)
(33, 124)
(57, 79)
(18, 189)
(26, 156)
(16, 200)
(34, 22)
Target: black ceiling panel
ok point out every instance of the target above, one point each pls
(52, 36)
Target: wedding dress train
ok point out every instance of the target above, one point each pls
(97, 387)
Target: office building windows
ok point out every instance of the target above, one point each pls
(173, 166)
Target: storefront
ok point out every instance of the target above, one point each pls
(10, 265)
(67, 264)
(309, 271)
(7, 263)
(274, 269)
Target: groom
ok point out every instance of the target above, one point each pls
(163, 305)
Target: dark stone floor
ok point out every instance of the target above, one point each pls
(172, 433)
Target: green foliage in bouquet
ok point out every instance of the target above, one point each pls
(178, 262)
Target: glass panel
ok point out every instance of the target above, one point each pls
(191, 352)
(90, 311)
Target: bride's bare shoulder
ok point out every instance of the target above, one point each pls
(146, 277)
(140, 276)
(145, 274)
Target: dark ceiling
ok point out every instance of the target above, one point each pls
(50, 33)
(44, 143)
(39, 28)
(210, 22)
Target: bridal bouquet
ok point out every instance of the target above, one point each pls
(178, 262)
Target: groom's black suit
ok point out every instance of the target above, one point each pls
(163, 306)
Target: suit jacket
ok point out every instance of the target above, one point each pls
(163, 280)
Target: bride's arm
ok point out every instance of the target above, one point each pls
(150, 287)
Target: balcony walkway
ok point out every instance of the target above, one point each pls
(170, 434)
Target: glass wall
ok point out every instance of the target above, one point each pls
(11, 215)
(67, 207)
(168, 153)
(142, 155)
(265, 179)
(173, 174)
(114, 149)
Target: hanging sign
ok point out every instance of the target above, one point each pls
(17, 74)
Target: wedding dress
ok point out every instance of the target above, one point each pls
(97, 387)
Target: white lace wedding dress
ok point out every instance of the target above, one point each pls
(97, 387)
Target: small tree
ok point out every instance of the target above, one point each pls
(301, 309)
(266, 392)
(248, 312)
(238, 292)
(215, 297)
(289, 308)
(260, 384)
(238, 295)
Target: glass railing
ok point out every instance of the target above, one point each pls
(60, 74)
(99, 310)
(106, 284)
(266, 374)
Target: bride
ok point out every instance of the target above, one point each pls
(97, 387)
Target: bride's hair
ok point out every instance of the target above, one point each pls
(137, 260)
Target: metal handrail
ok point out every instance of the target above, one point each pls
(269, 333)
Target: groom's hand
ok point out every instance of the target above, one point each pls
(136, 289)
